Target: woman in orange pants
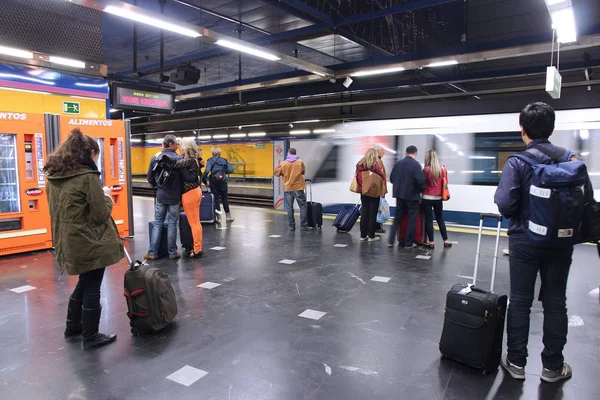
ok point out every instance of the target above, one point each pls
(189, 167)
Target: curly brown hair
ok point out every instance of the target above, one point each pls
(77, 150)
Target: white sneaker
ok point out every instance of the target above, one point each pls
(375, 239)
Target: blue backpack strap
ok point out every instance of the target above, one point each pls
(528, 157)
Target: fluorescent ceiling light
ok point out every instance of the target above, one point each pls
(554, 2)
(257, 134)
(496, 172)
(300, 132)
(24, 90)
(144, 19)
(135, 140)
(308, 121)
(472, 172)
(482, 157)
(248, 126)
(9, 51)
(248, 50)
(378, 71)
(112, 110)
(323, 130)
(318, 73)
(585, 153)
(564, 22)
(237, 135)
(67, 61)
(220, 136)
(442, 63)
(204, 137)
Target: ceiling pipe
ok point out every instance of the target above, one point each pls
(372, 102)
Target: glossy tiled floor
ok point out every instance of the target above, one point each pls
(357, 337)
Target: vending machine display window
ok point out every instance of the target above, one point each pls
(9, 182)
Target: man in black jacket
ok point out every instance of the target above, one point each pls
(168, 202)
(408, 181)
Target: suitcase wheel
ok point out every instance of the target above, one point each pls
(135, 331)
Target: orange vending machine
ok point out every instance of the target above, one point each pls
(114, 163)
(24, 213)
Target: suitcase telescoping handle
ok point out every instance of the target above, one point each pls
(131, 262)
(309, 181)
(497, 217)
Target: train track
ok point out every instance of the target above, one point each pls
(234, 199)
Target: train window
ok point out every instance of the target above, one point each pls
(329, 168)
(489, 154)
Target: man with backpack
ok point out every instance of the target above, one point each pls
(217, 169)
(543, 191)
(167, 185)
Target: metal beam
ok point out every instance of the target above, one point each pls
(402, 8)
(100, 5)
(481, 56)
(372, 102)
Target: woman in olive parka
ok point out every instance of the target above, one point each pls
(84, 234)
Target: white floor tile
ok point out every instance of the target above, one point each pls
(218, 248)
(286, 261)
(274, 236)
(423, 257)
(23, 289)
(209, 285)
(312, 314)
(187, 375)
(381, 279)
(340, 245)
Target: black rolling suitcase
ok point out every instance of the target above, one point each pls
(474, 319)
(185, 233)
(315, 210)
(163, 248)
(151, 301)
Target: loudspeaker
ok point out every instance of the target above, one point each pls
(187, 75)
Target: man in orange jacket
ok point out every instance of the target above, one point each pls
(292, 170)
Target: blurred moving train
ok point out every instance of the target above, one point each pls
(474, 149)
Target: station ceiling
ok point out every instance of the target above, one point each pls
(346, 36)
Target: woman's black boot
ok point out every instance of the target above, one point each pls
(91, 336)
(74, 327)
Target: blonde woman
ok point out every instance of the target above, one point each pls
(216, 171)
(371, 186)
(432, 197)
(189, 167)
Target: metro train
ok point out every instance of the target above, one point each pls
(473, 148)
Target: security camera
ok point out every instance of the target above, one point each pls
(347, 82)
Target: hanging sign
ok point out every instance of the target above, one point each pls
(553, 82)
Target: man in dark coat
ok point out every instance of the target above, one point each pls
(408, 181)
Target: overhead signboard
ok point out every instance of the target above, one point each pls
(139, 99)
(553, 82)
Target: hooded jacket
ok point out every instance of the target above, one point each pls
(83, 232)
(292, 170)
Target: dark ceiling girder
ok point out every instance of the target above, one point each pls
(320, 26)
(367, 85)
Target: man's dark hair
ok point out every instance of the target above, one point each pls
(537, 119)
(169, 140)
(292, 151)
(411, 149)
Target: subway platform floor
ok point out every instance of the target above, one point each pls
(273, 314)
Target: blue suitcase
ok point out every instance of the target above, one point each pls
(346, 218)
(207, 208)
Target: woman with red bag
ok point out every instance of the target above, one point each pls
(435, 193)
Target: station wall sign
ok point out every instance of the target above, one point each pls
(141, 99)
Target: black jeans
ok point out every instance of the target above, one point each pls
(219, 190)
(429, 208)
(368, 216)
(87, 290)
(553, 265)
(409, 207)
